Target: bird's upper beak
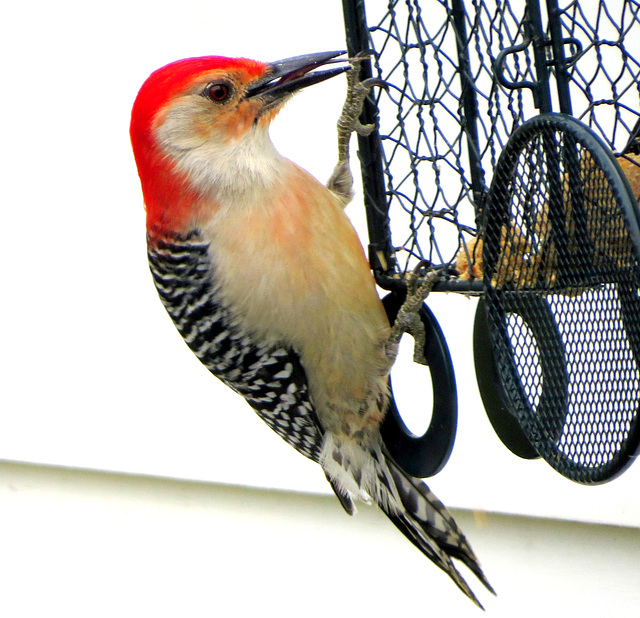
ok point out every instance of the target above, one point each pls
(287, 76)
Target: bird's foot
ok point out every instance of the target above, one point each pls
(408, 318)
(357, 91)
(341, 180)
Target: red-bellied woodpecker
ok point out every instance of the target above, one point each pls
(266, 280)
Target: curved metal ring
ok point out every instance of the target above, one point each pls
(494, 398)
(425, 455)
(561, 264)
(536, 315)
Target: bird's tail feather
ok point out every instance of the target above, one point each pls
(358, 473)
(425, 521)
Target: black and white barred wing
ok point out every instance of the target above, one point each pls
(270, 378)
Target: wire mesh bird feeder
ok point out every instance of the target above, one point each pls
(507, 157)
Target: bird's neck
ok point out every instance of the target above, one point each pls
(232, 170)
(223, 176)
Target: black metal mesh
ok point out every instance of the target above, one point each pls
(563, 277)
(605, 90)
(529, 209)
(450, 109)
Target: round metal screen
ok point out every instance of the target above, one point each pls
(562, 273)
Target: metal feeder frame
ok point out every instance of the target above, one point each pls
(546, 107)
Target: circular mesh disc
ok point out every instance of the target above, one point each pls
(562, 272)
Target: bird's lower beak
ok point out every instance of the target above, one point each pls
(287, 76)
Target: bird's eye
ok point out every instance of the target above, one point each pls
(218, 92)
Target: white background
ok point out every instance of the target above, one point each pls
(94, 374)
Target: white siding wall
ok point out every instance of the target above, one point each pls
(79, 543)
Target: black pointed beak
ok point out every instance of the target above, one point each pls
(292, 74)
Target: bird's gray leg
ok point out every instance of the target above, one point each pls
(341, 180)
(408, 318)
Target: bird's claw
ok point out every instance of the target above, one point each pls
(341, 181)
(408, 319)
(357, 92)
(362, 89)
(374, 81)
